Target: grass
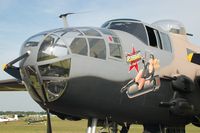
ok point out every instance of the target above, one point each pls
(60, 126)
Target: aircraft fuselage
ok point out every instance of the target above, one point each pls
(79, 72)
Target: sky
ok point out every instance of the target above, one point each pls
(20, 19)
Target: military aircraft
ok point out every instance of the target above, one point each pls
(126, 72)
(35, 119)
(9, 119)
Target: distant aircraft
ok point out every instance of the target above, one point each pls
(9, 119)
(33, 120)
(126, 72)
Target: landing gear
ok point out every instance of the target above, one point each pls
(113, 128)
(92, 124)
(107, 127)
(125, 128)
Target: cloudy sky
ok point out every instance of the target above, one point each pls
(19, 19)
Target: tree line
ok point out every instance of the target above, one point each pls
(21, 113)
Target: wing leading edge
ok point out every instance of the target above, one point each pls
(11, 85)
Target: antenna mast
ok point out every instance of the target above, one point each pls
(64, 17)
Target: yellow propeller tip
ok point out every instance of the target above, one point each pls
(4, 66)
(189, 57)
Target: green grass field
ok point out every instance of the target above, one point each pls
(60, 126)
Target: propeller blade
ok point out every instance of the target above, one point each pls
(12, 70)
(49, 129)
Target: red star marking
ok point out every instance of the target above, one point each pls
(133, 64)
(110, 38)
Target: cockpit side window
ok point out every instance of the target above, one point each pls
(152, 37)
(97, 48)
(115, 50)
(79, 46)
(166, 42)
(158, 39)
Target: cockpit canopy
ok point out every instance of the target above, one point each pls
(143, 32)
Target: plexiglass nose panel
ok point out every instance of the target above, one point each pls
(55, 77)
(52, 47)
(46, 71)
(33, 82)
(57, 69)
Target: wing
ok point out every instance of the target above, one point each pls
(11, 85)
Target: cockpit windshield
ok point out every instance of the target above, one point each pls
(133, 27)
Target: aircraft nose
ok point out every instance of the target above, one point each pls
(46, 71)
(54, 77)
(47, 82)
